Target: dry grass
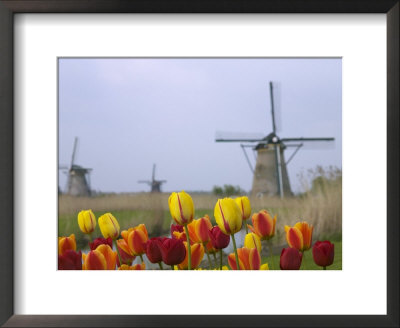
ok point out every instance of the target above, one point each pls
(321, 206)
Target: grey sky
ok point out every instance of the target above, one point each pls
(131, 113)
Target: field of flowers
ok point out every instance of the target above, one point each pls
(191, 240)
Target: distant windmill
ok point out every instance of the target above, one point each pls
(153, 183)
(78, 183)
(270, 173)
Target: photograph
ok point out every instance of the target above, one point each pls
(199, 163)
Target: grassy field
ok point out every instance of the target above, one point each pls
(321, 207)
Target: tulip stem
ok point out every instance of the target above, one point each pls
(189, 248)
(247, 229)
(208, 256)
(236, 253)
(215, 260)
(220, 259)
(172, 268)
(90, 237)
(160, 265)
(270, 254)
(119, 255)
(324, 268)
(303, 261)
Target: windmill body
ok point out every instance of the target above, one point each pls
(270, 173)
(78, 183)
(154, 184)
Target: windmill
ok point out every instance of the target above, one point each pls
(153, 183)
(270, 174)
(78, 183)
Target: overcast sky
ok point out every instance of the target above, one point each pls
(131, 113)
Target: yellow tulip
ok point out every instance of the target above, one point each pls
(109, 226)
(251, 240)
(86, 221)
(244, 206)
(181, 207)
(228, 216)
(264, 266)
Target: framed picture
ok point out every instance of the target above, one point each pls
(49, 62)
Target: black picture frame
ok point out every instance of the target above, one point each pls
(10, 7)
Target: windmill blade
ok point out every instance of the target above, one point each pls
(310, 143)
(238, 137)
(144, 181)
(247, 157)
(74, 151)
(63, 167)
(275, 99)
(307, 139)
(154, 172)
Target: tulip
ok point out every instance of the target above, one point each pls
(251, 240)
(109, 226)
(66, 243)
(197, 251)
(323, 253)
(299, 236)
(264, 266)
(136, 239)
(109, 255)
(182, 211)
(86, 221)
(179, 235)
(198, 230)
(141, 266)
(290, 259)
(263, 225)
(94, 260)
(176, 227)
(228, 216)
(153, 250)
(249, 259)
(173, 251)
(245, 208)
(99, 241)
(70, 260)
(218, 239)
(125, 253)
(181, 207)
(229, 219)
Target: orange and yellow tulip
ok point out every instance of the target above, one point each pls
(136, 238)
(197, 251)
(109, 226)
(86, 221)
(251, 240)
(109, 255)
(244, 206)
(198, 230)
(66, 243)
(249, 259)
(94, 260)
(126, 255)
(141, 266)
(299, 236)
(181, 207)
(263, 225)
(228, 216)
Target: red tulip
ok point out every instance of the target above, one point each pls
(218, 239)
(70, 260)
(99, 241)
(323, 253)
(173, 251)
(290, 259)
(153, 251)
